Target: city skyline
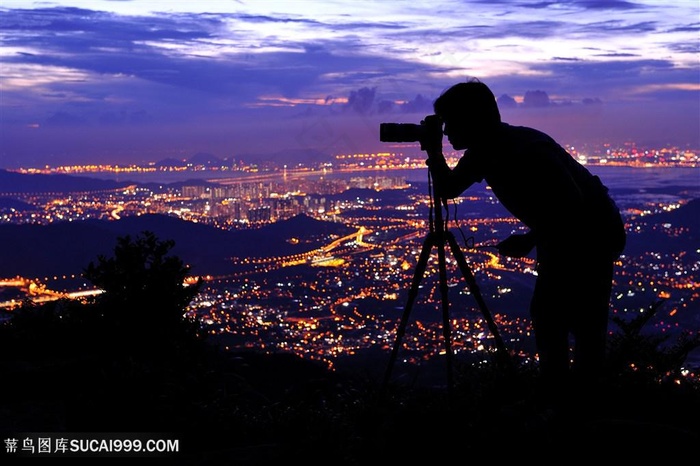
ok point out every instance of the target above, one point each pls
(133, 81)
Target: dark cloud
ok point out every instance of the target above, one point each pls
(607, 5)
(385, 106)
(617, 54)
(506, 101)
(536, 99)
(80, 30)
(419, 104)
(607, 79)
(690, 48)
(270, 19)
(695, 27)
(362, 100)
(584, 4)
(104, 43)
(618, 26)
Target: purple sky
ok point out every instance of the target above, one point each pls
(119, 81)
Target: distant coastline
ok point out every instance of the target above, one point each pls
(616, 176)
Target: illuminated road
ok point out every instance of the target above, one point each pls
(318, 256)
(38, 293)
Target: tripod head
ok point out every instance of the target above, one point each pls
(429, 134)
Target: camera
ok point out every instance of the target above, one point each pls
(400, 132)
(410, 132)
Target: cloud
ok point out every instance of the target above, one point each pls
(585, 5)
(419, 104)
(362, 100)
(607, 5)
(506, 101)
(536, 99)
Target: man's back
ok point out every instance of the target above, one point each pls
(536, 179)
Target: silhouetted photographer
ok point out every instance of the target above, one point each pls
(573, 223)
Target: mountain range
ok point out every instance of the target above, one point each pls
(14, 182)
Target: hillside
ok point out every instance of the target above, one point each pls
(67, 247)
(657, 235)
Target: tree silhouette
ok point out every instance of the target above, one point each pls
(144, 287)
(128, 359)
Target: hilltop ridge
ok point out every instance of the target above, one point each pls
(64, 248)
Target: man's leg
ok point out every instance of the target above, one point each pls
(551, 336)
(590, 321)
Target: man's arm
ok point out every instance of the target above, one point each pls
(450, 182)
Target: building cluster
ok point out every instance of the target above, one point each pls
(230, 204)
(235, 203)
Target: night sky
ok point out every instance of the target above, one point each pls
(135, 81)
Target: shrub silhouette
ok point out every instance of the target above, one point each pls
(637, 356)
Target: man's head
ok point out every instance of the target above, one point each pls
(469, 111)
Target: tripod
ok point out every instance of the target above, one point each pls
(437, 236)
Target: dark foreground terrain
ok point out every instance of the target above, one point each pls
(255, 409)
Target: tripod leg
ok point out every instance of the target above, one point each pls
(445, 309)
(474, 288)
(412, 294)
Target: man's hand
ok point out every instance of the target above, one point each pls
(517, 245)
